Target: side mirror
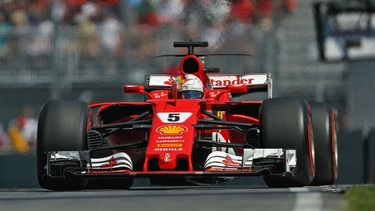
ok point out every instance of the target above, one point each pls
(240, 88)
(134, 89)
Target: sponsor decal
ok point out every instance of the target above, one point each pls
(231, 81)
(170, 139)
(169, 145)
(160, 95)
(171, 129)
(168, 149)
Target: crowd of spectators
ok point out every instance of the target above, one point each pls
(102, 28)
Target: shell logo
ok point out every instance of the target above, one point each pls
(171, 129)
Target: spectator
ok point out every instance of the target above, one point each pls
(169, 11)
(22, 131)
(147, 13)
(40, 43)
(110, 33)
(242, 10)
(88, 42)
(4, 33)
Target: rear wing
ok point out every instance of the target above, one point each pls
(256, 82)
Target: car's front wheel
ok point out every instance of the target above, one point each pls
(62, 126)
(286, 123)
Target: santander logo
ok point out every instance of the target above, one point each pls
(221, 81)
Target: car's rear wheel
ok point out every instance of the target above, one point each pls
(286, 123)
(62, 126)
(326, 153)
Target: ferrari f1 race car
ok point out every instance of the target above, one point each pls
(187, 129)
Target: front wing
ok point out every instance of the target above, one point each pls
(218, 164)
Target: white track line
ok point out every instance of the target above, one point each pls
(306, 200)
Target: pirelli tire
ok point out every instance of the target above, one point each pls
(325, 140)
(286, 123)
(62, 126)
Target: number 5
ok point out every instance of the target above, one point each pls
(173, 117)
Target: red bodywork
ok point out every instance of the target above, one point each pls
(173, 128)
(172, 134)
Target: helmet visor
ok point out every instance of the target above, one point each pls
(192, 94)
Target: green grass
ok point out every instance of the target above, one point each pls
(360, 198)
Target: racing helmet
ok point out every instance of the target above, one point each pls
(189, 87)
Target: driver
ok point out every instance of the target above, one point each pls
(189, 87)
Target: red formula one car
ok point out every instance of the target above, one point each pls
(189, 129)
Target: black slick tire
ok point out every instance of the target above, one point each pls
(62, 126)
(286, 123)
(326, 152)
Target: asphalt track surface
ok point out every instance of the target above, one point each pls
(154, 198)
